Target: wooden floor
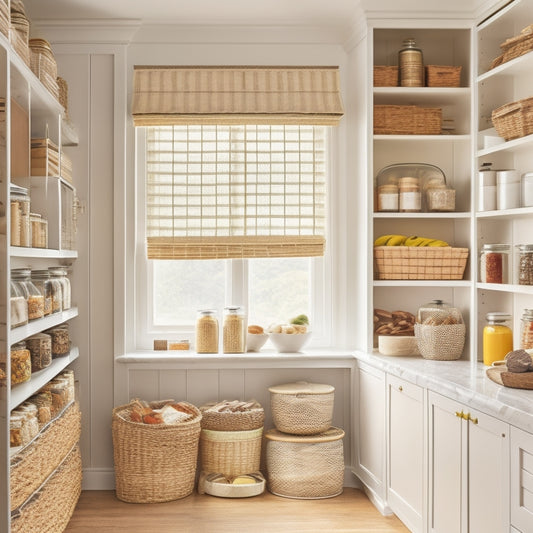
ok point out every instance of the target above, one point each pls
(101, 511)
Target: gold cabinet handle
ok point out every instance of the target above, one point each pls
(400, 388)
(459, 414)
(466, 416)
(474, 420)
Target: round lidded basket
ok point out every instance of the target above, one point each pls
(305, 466)
(154, 462)
(302, 408)
(251, 418)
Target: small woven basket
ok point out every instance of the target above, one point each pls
(4, 18)
(305, 467)
(385, 76)
(154, 462)
(442, 342)
(407, 120)
(302, 408)
(413, 262)
(518, 45)
(443, 76)
(514, 120)
(231, 453)
(253, 418)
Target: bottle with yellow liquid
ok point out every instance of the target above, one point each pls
(497, 337)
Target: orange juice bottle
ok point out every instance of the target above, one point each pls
(497, 337)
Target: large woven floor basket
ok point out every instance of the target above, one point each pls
(252, 418)
(154, 462)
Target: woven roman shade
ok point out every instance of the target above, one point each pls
(170, 95)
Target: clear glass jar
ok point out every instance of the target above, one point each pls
(525, 264)
(411, 65)
(41, 279)
(60, 274)
(20, 363)
(526, 190)
(60, 340)
(21, 276)
(20, 218)
(207, 331)
(494, 263)
(18, 305)
(234, 334)
(388, 198)
(410, 197)
(526, 330)
(437, 313)
(497, 337)
(40, 347)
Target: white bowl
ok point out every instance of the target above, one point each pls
(255, 341)
(289, 342)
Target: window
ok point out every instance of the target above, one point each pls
(227, 180)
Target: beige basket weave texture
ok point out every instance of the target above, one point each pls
(442, 342)
(154, 462)
(302, 408)
(412, 262)
(514, 120)
(231, 453)
(253, 418)
(407, 120)
(37, 461)
(443, 76)
(52, 506)
(385, 76)
(5, 19)
(515, 47)
(305, 467)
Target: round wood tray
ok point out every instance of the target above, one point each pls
(499, 374)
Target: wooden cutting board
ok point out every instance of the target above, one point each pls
(500, 374)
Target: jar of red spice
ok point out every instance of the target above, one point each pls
(494, 263)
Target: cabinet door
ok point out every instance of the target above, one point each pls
(446, 472)
(488, 474)
(521, 480)
(406, 464)
(370, 430)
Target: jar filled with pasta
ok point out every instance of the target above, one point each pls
(234, 334)
(207, 331)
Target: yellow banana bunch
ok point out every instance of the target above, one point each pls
(402, 240)
(390, 240)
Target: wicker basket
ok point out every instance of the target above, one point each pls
(52, 506)
(385, 76)
(426, 262)
(37, 461)
(515, 119)
(231, 453)
(302, 408)
(443, 76)
(154, 462)
(305, 467)
(518, 45)
(407, 120)
(442, 342)
(253, 418)
(5, 19)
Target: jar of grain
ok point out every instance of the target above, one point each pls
(60, 340)
(60, 275)
(525, 264)
(411, 65)
(494, 263)
(40, 347)
(207, 331)
(20, 218)
(410, 196)
(388, 198)
(526, 330)
(234, 335)
(20, 363)
(18, 305)
(21, 276)
(41, 279)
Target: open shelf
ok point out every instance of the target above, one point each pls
(36, 326)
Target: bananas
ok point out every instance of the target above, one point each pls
(402, 240)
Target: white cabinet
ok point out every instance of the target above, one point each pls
(521, 480)
(369, 435)
(468, 469)
(406, 464)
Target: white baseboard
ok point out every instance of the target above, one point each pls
(379, 504)
(351, 480)
(98, 479)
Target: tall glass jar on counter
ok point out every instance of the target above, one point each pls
(497, 337)
(60, 275)
(206, 331)
(526, 330)
(21, 276)
(234, 334)
(494, 263)
(525, 264)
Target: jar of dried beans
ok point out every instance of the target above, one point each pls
(526, 330)
(207, 331)
(234, 335)
(525, 264)
(494, 263)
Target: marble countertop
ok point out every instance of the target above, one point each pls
(461, 381)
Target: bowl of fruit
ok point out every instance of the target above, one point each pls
(290, 337)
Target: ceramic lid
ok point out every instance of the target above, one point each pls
(302, 387)
(329, 435)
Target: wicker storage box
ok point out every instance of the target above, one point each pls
(515, 46)
(426, 262)
(385, 76)
(305, 467)
(407, 120)
(154, 462)
(515, 119)
(4, 18)
(302, 408)
(443, 76)
(231, 453)
(34, 463)
(52, 506)
(252, 418)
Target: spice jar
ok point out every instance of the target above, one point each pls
(20, 363)
(526, 190)
(409, 194)
(60, 340)
(388, 198)
(487, 188)
(18, 306)
(40, 347)
(494, 263)
(41, 279)
(60, 275)
(411, 65)
(234, 334)
(34, 298)
(525, 264)
(526, 330)
(497, 337)
(207, 331)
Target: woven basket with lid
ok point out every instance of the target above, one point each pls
(302, 408)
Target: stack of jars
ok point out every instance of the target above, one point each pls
(233, 335)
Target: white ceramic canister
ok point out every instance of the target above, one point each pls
(508, 189)
(487, 190)
(526, 193)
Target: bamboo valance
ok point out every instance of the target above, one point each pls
(170, 95)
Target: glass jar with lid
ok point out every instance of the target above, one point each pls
(60, 274)
(206, 331)
(234, 333)
(494, 263)
(20, 363)
(525, 264)
(18, 305)
(34, 298)
(497, 337)
(526, 330)
(20, 217)
(410, 197)
(41, 279)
